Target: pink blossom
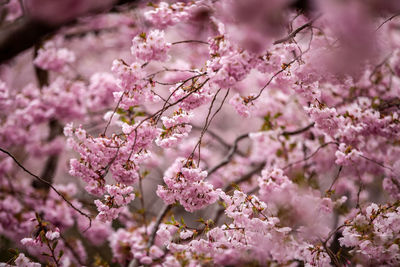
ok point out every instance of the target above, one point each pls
(52, 58)
(150, 46)
(118, 197)
(244, 106)
(175, 129)
(24, 261)
(346, 155)
(185, 184)
(50, 235)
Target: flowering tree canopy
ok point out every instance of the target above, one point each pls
(200, 133)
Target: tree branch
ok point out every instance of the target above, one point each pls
(48, 184)
(228, 157)
(245, 177)
(163, 212)
(21, 35)
(26, 32)
(301, 130)
(296, 31)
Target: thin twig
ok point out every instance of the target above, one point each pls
(376, 162)
(387, 20)
(312, 155)
(295, 32)
(112, 115)
(245, 177)
(336, 177)
(208, 122)
(214, 135)
(49, 185)
(301, 130)
(163, 212)
(189, 41)
(287, 65)
(230, 154)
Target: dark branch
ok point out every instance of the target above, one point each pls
(48, 184)
(301, 130)
(21, 35)
(50, 166)
(295, 32)
(245, 177)
(387, 20)
(228, 157)
(24, 33)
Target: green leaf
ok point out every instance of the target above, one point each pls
(145, 173)
(277, 115)
(125, 119)
(142, 35)
(37, 217)
(60, 254)
(236, 187)
(173, 221)
(201, 220)
(120, 111)
(13, 251)
(140, 114)
(55, 245)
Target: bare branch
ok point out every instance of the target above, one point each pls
(189, 41)
(376, 162)
(310, 156)
(336, 177)
(296, 31)
(228, 157)
(387, 20)
(299, 131)
(245, 177)
(163, 212)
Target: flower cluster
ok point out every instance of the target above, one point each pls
(374, 234)
(129, 76)
(191, 96)
(280, 193)
(244, 239)
(100, 155)
(129, 245)
(150, 46)
(133, 89)
(228, 65)
(346, 155)
(296, 179)
(50, 57)
(100, 91)
(164, 14)
(118, 197)
(184, 184)
(244, 106)
(175, 129)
